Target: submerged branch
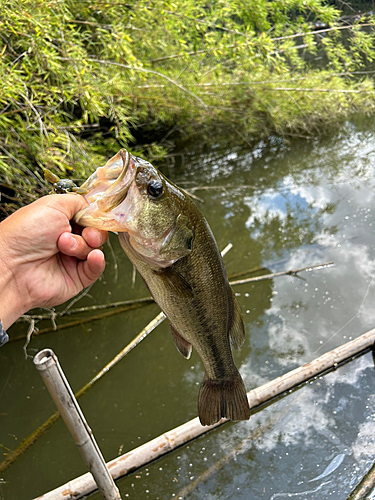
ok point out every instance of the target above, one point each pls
(96, 307)
(249, 271)
(78, 321)
(292, 272)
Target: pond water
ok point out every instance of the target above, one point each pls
(282, 206)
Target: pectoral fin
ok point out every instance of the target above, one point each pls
(182, 345)
(237, 332)
(175, 283)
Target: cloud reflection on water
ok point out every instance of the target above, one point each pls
(329, 424)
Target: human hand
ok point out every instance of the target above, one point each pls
(43, 260)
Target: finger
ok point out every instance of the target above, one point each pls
(94, 237)
(73, 245)
(68, 204)
(90, 269)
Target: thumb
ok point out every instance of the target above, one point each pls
(67, 204)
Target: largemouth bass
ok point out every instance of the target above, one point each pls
(171, 245)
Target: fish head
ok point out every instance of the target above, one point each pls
(129, 195)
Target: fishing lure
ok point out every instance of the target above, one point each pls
(62, 186)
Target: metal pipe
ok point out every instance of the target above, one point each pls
(51, 372)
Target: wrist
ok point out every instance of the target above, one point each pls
(12, 305)
(12, 302)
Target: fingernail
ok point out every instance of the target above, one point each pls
(74, 243)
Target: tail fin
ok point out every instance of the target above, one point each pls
(222, 398)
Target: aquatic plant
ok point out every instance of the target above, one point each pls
(81, 78)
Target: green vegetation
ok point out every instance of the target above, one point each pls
(80, 79)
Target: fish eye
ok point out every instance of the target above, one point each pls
(155, 188)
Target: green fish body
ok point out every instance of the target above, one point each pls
(171, 245)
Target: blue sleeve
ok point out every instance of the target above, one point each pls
(4, 337)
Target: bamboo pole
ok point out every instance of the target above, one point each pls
(48, 365)
(171, 440)
(364, 489)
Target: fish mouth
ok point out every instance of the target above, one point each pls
(106, 189)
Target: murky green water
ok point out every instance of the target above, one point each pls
(283, 206)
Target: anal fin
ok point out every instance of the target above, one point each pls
(182, 345)
(237, 332)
